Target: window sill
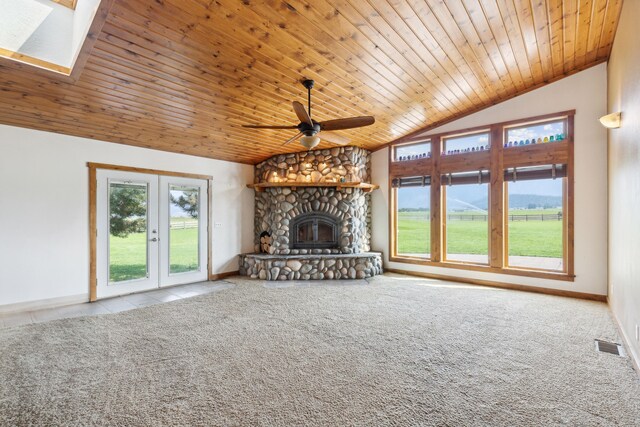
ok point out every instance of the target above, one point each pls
(511, 271)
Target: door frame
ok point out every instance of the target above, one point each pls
(93, 211)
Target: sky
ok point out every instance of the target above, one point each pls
(539, 131)
(175, 210)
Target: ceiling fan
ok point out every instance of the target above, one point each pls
(308, 129)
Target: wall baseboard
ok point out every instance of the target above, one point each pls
(221, 276)
(635, 357)
(502, 285)
(43, 303)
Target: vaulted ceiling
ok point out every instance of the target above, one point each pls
(183, 76)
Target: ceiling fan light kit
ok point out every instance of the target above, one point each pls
(310, 142)
(309, 129)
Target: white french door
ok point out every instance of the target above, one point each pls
(183, 217)
(151, 231)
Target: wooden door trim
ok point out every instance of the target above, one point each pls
(149, 171)
(210, 229)
(93, 234)
(93, 212)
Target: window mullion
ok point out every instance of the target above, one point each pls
(436, 202)
(496, 199)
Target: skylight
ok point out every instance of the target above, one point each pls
(45, 33)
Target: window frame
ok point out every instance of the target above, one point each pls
(393, 157)
(495, 160)
(394, 219)
(444, 256)
(565, 187)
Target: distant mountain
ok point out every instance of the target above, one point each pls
(465, 197)
(527, 201)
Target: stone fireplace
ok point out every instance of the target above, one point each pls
(316, 208)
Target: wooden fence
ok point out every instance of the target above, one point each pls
(179, 225)
(518, 217)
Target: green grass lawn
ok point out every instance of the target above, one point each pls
(526, 238)
(414, 233)
(128, 255)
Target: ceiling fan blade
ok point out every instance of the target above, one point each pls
(334, 138)
(293, 139)
(302, 114)
(350, 123)
(269, 127)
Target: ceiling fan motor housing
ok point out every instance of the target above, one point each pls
(309, 130)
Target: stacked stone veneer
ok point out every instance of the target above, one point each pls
(311, 267)
(330, 165)
(276, 207)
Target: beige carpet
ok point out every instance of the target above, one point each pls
(391, 352)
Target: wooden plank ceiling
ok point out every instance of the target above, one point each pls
(183, 76)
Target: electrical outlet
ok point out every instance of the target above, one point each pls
(217, 224)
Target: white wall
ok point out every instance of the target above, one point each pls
(585, 92)
(44, 213)
(624, 176)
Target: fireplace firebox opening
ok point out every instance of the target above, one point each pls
(314, 230)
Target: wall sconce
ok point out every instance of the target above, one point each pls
(611, 121)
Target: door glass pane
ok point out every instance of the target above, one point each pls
(467, 225)
(535, 222)
(184, 242)
(414, 222)
(127, 231)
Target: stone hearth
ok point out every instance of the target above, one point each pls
(343, 210)
(311, 267)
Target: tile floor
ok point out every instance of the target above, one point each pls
(114, 305)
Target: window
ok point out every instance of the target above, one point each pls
(420, 150)
(466, 223)
(541, 133)
(413, 217)
(128, 245)
(497, 198)
(184, 242)
(535, 217)
(466, 143)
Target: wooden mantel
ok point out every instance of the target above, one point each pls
(293, 185)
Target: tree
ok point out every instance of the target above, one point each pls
(128, 210)
(188, 201)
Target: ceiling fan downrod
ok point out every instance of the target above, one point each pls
(309, 85)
